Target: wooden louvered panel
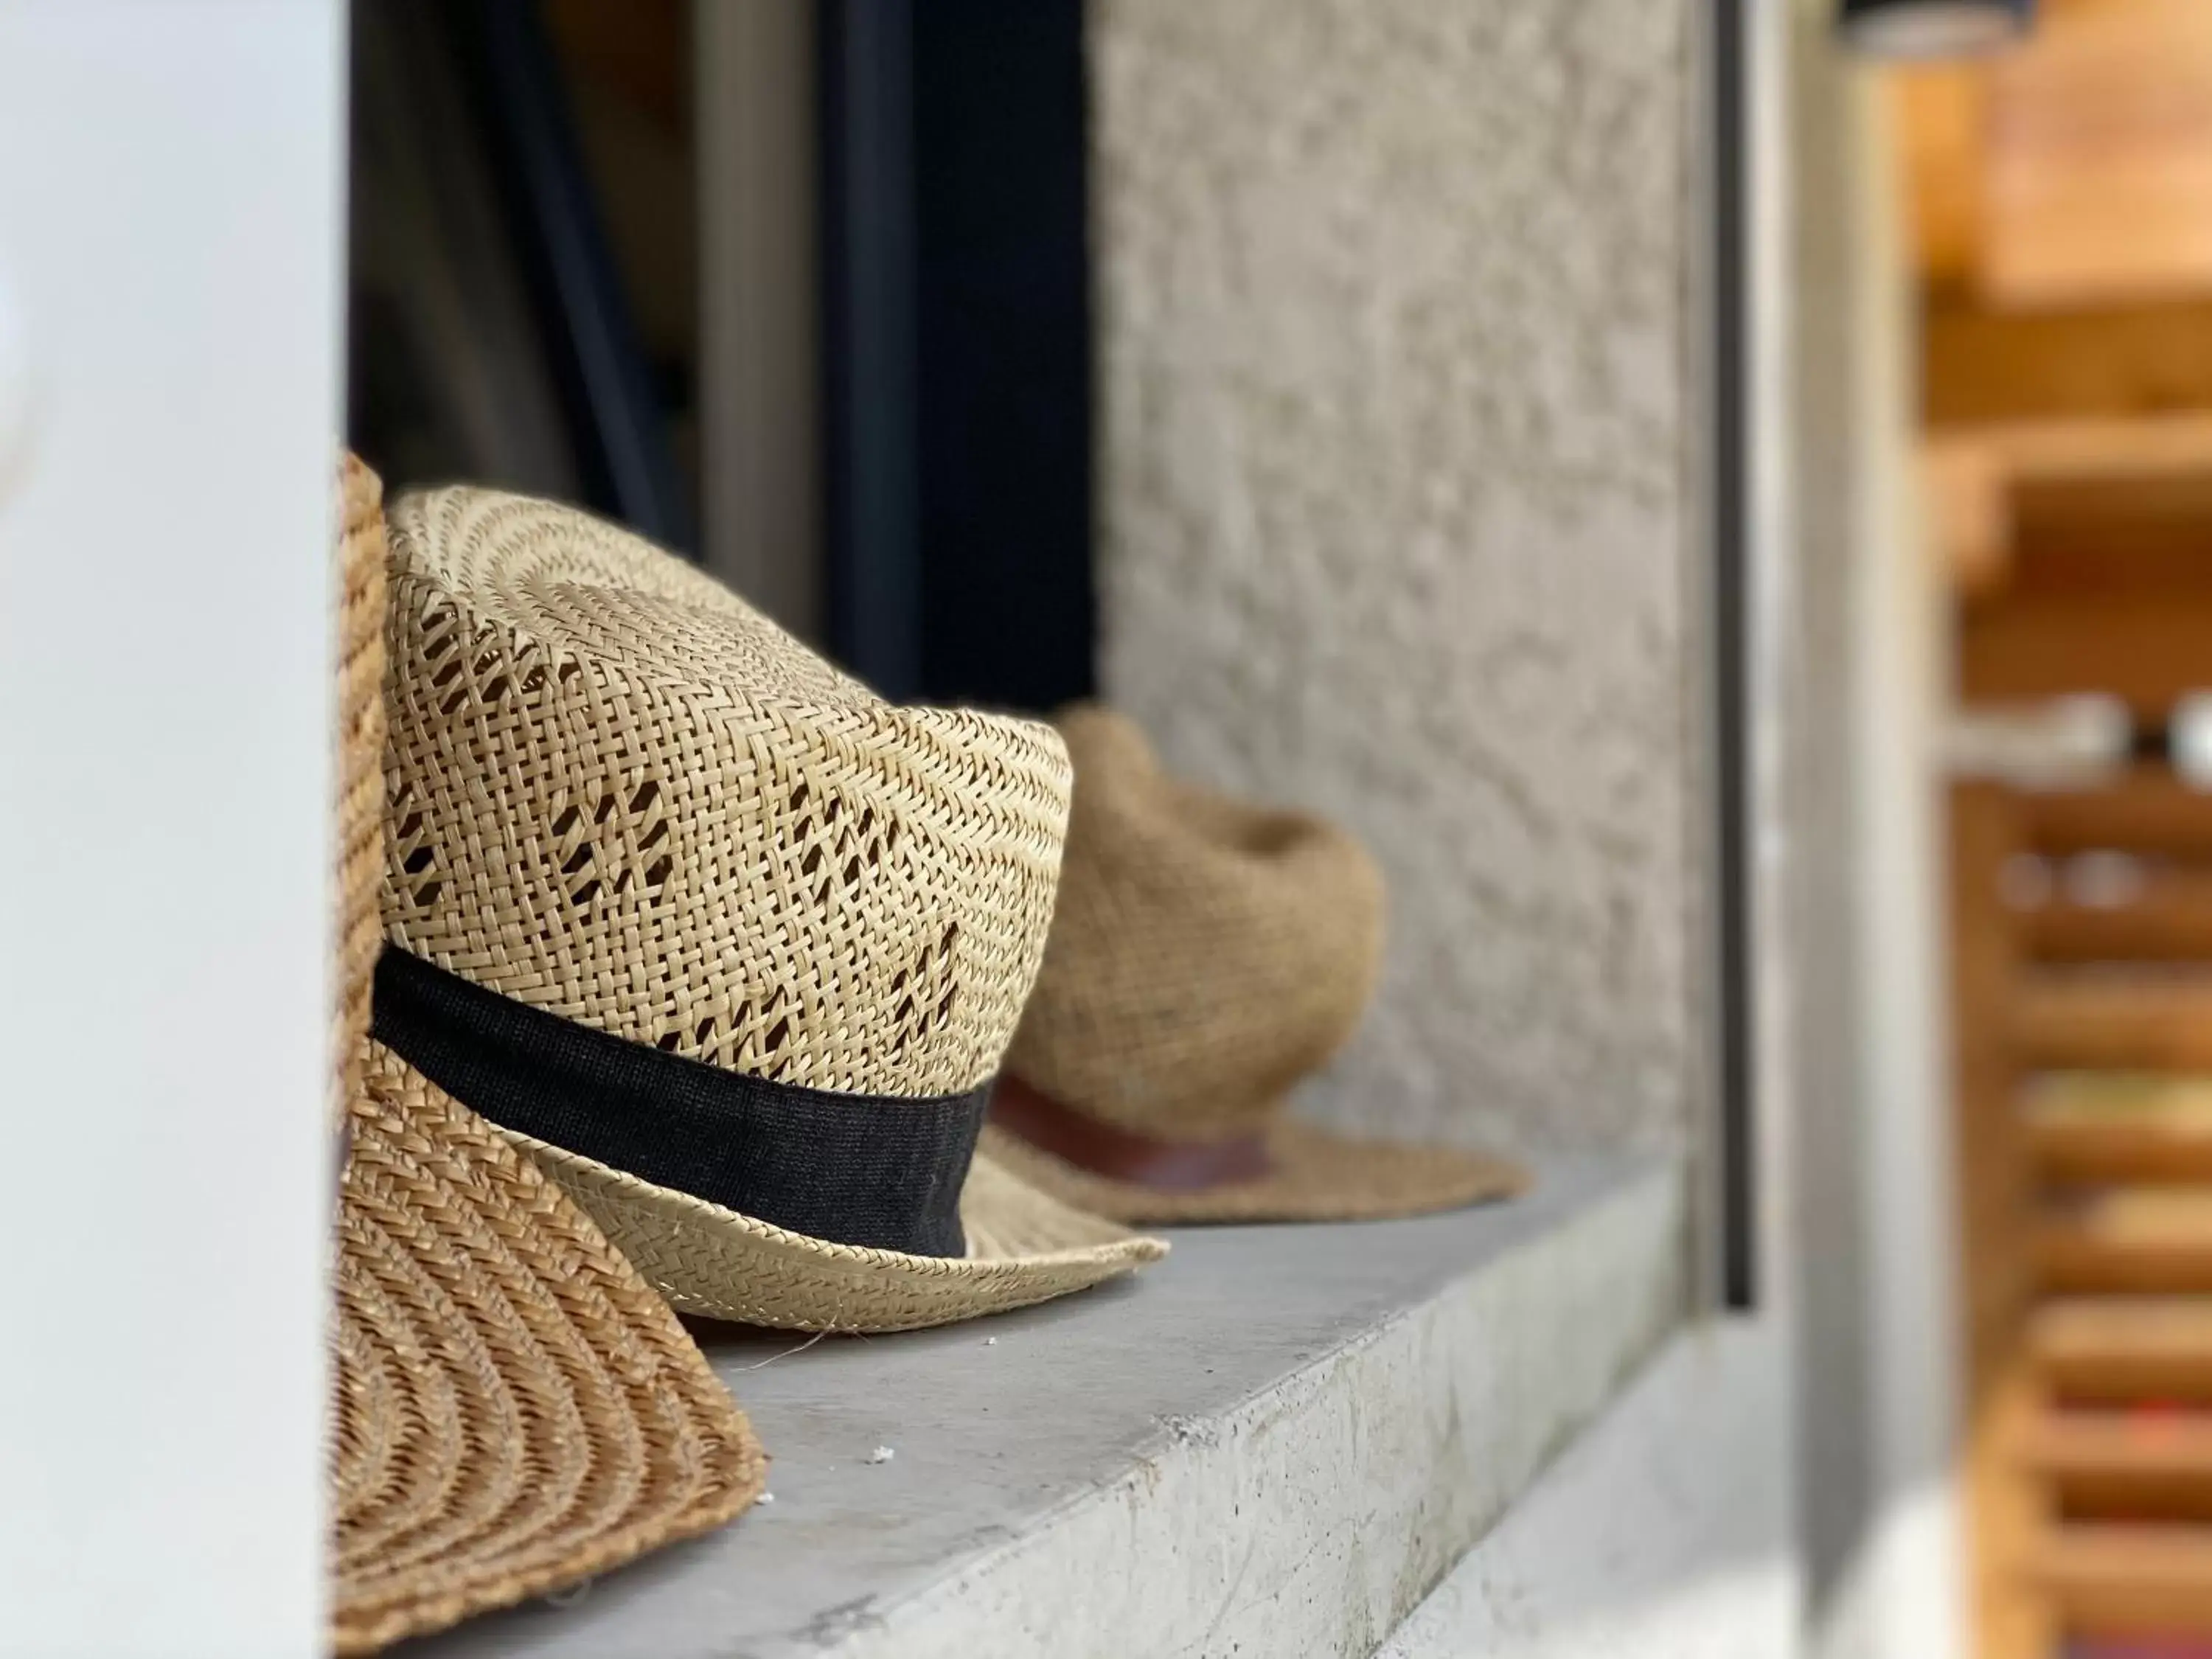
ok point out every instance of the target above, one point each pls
(2086, 1022)
(2126, 1351)
(2127, 1241)
(2149, 652)
(2097, 156)
(1994, 1179)
(2164, 915)
(2113, 534)
(2012, 1515)
(2100, 1130)
(2116, 1578)
(2146, 809)
(1987, 364)
(2123, 1465)
(1978, 482)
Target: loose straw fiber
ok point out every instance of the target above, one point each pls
(516, 1411)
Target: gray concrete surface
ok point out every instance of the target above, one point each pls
(1276, 1442)
(1664, 1533)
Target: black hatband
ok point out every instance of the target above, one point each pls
(882, 1171)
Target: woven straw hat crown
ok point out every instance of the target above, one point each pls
(616, 793)
(1206, 953)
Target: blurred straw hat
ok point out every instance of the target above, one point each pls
(516, 1409)
(730, 946)
(1206, 955)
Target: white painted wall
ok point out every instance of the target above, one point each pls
(170, 232)
(1905, 1593)
(1851, 857)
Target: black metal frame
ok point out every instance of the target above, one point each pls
(872, 531)
(1004, 338)
(1732, 612)
(957, 349)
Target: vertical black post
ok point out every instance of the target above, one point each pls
(870, 521)
(1732, 610)
(1004, 347)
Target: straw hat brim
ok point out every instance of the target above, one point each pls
(1024, 1247)
(516, 1410)
(1313, 1175)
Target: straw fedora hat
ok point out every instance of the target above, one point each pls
(516, 1410)
(1206, 955)
(728, 945)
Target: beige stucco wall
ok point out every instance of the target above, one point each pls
(1395, 514)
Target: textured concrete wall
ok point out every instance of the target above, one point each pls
(1395, 520)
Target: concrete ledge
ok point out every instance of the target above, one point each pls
(1664, 1533)
(1276, 1443)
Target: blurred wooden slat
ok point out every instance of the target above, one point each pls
(2139, 531)
(2147, 651)
(1989, 487)
(2165, 916)
(1995, 1175)
(2139, 1242)
(2141, 1130)
(1982, 365)
(2147, 809)
(2130, 446)
(2012, 1513)
(1939, 121)
(2126, 1351)
(1969, 512)
(2124, 1465)
(2110, 1578)
(2003, 1390)
(2134, 1022)
(2098, 183)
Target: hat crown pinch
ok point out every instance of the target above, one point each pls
(617, 792)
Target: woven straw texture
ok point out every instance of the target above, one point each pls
(616, 793)
(619, 793)
(1206, 955)
(1023, 1247)
(360, 933)
(515, 1409)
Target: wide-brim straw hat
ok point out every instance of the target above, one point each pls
(516, 1410)
(729, 946)
(1207, 956)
